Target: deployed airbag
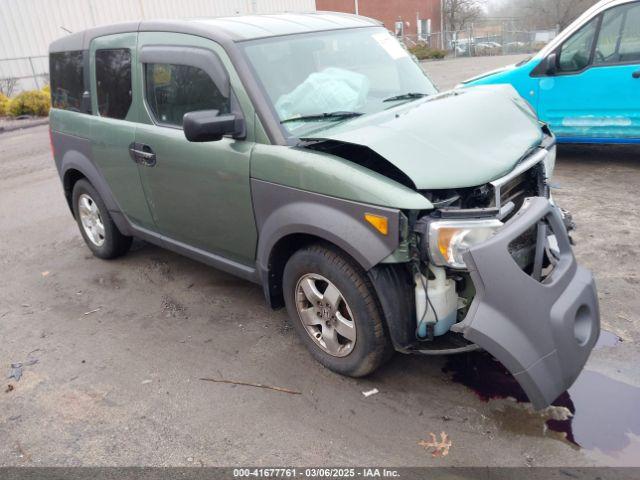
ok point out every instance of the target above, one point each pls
(331, 90)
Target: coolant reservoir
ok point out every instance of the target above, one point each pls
(444, 299)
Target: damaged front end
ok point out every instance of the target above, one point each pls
(505, 251)
(489, 266)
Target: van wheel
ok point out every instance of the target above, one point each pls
(335, 311)
(96, 225)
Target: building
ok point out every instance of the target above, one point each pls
(27, 27)
(412, 18)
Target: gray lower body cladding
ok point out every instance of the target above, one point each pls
(282, 212)
(541, 331)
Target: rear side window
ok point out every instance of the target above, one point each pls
(113, 79)
(173, 90)
(66, 70)
(619, 40)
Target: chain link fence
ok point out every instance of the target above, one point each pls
(27, 73)
(471, 43)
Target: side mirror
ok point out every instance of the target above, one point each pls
(209, 126)
(551, 64)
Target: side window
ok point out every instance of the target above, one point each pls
(619, 40)
(173, 90)
(67, 80)
(575, 53)
(113, 79)
(630, 43)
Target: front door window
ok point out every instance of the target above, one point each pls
(575, 54)
(173, 90)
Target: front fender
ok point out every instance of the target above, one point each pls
(281, 211)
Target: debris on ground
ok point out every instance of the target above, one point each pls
(22, 452)
(145, 382)
(92, 311)
(441, 448)
(368, 393)
(9, 388)
(44, 274)
(16, 368)
(257, 385)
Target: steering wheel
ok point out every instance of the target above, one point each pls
(600, 57)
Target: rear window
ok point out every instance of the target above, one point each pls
(67, 80)
(113, 78)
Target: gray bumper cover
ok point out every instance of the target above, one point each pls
(542, 332)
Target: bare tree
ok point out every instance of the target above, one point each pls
(558, 12)
(8, 86)
(458, 14)
(541, 13)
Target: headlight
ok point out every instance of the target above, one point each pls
(450, 239)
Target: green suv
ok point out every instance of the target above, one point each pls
(311, 154)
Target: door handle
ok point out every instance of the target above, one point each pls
(636, 75)
(142, 154)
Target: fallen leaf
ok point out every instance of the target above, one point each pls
(441, 448)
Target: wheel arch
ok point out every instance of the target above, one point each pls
(69, 179)
(288, 219)
(74, 167)
(280, 253)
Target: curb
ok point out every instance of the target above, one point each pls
(19, 126)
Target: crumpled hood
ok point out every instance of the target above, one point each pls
(452, 140)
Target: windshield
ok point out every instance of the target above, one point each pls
(348, 72)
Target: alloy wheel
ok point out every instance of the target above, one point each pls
(91, 220)
(325, 314)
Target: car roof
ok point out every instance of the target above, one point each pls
(224, 29)
(249, 27)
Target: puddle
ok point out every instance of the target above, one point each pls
(597, 413)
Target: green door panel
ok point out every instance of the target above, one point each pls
(199, 193)
(111, 138)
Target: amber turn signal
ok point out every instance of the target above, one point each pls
(380, 223)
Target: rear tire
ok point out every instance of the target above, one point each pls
(99, 231)
(335, 311)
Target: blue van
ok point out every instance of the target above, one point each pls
(586, 83)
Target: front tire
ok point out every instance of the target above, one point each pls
(99, 231)
(335, 311)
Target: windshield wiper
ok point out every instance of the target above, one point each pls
(322, 116)
(406, 96)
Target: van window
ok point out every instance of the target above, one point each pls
(619, 40)
(575, 53)
(66, 71)
(173, 90)
(113, 79)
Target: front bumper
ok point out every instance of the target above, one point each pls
(541, 331)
